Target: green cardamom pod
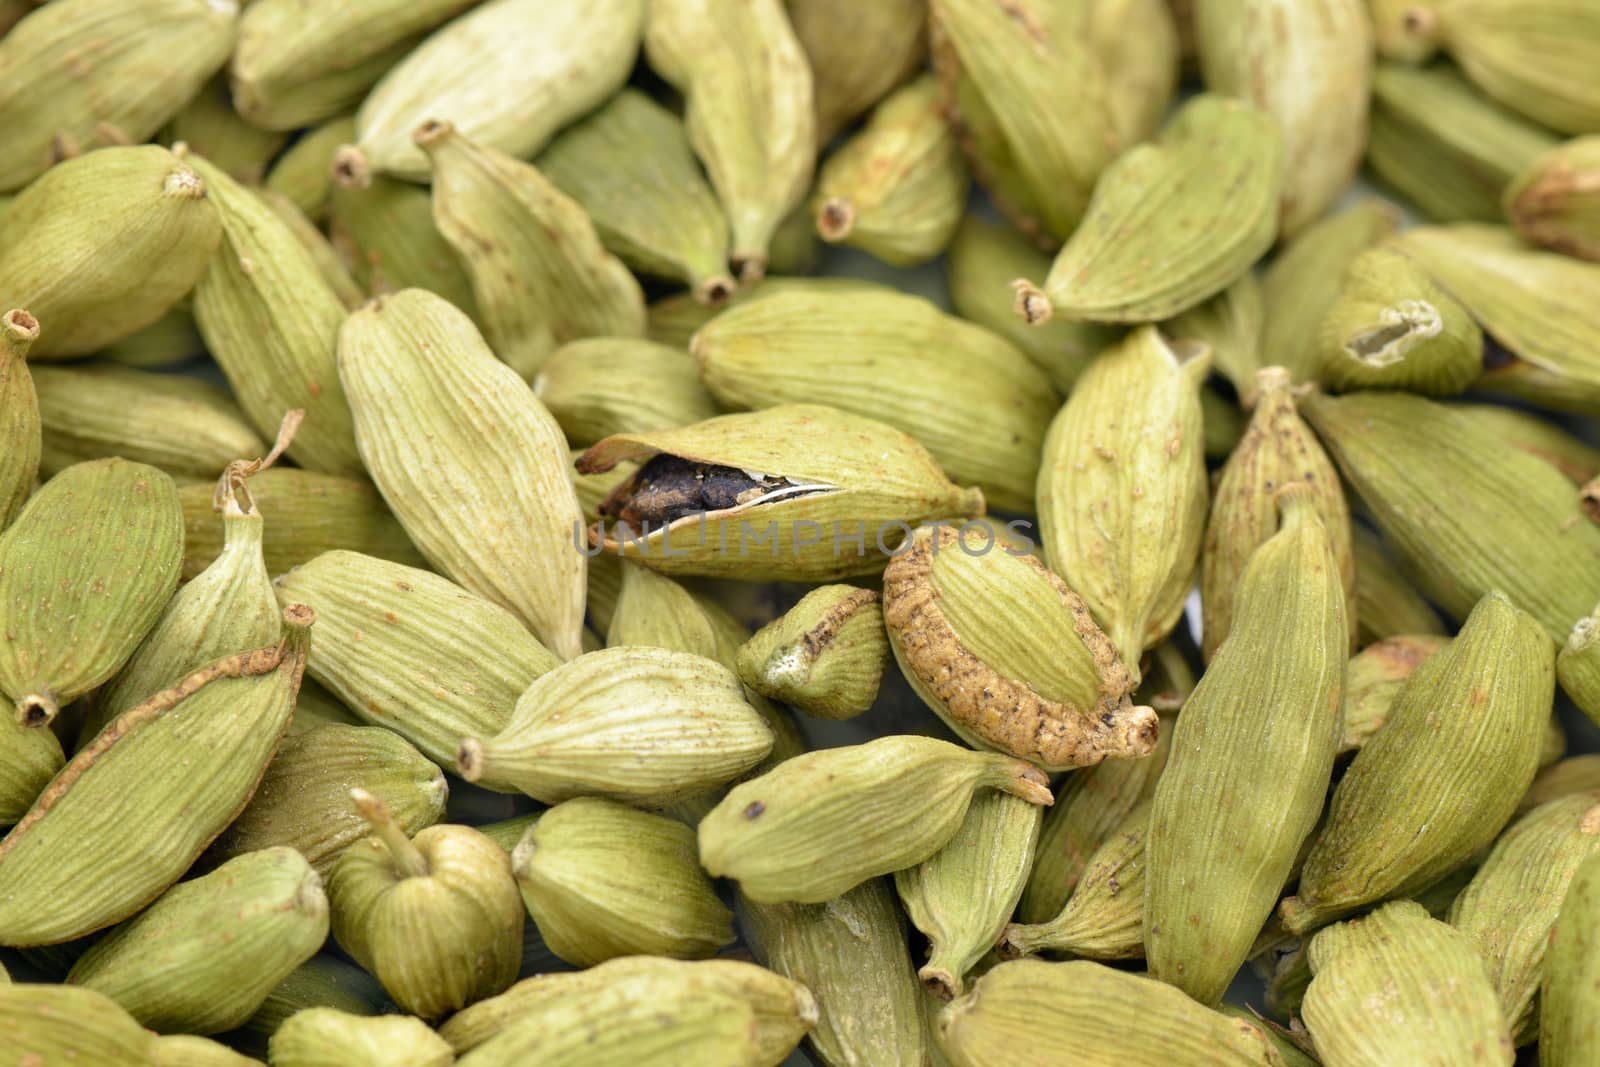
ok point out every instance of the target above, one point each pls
(1578, 665)
(1122, 487)
(592, 387)
(1231, 324)
(203, 957)
(825, 656)
(29, 758)
(170, 341)
(1141, 69)
(435, 917)
(1222, 161)
(48, 1024)
(1509, 908)
(749, 117)
(323, 981)
(1375, 676)
(1387, 604)
(211, 126)
(963, 894)
(1436, 483)
(1441, 778)
(644, 725)
(303, 174)
(1555, 201)
(443, 426)
(85, 571)
(824, 822)
(1235, 803)
(1392, 328)
(329, 260)
(80, 76)
(327, 1037)
(101, 246)
(1438, 1005)
(1575, 774)
(187, 759)
(20, 427)
(857, 54)
(1531, 433)
(603, 880)
(1568, 1032)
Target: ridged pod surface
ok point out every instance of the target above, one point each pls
(1555, 202)
(825, 656)
(1578, 665)
(1387, 603)
(1569, 1008)
(20, 428)
(327, 1037)
(593, 388)
(857, 53)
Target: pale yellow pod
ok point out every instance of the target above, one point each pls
(858, 53)
(326, 1037)
(471, 463)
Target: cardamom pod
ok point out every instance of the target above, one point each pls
(304, 172)
(1235, 802)
(1529, 432)
(680, 720)
(81, 76)
(1538, 305)
(797, 492)
(963, 894)
(1122, 487)
(209, 125)
(1049, 689)
(1555, 201)
(825, 656)
(85, 571)
(329, 261)
(203, 957)
(592, 387)
(444, 427)
(823, 822)
(1375, 676)
(629, 165)
(271, 321)
(323, 981)
(101, 246)
(20, 428)
(1444, 774)
(977, 404)
(1141, 69)
(29, 758)
(170, 341)
(304, 798)
(435, 917)
(325, 1037)
(1309, 66)
(1230, 323)
(1386, 604)
(1435, 483)
(413, 652)
(187, 760)
(1134, 259)
(186, 1050)
(1438, 1005)
(857, 54)
(47, 1024)
(750, 116)
(548, 62)
(602, 880)
(1568, 1034)
(1575, 774)
(1578, 665)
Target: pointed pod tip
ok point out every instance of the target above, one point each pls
(432, 132)
(835, 219)
(351, 169)
(469, 759)
(37, 709)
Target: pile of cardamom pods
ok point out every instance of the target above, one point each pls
(486, 579)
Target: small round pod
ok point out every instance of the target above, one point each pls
(327, 1037)
(436, 917)
(1392, 328)
(1047, 687)
(825, 656)
(602, 880)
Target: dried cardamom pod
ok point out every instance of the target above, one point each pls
(548, 61)
(1387, 604)
(963, 894)
(1141, 69)
(329, 262)
(1568, 1031)
(1555, 201)
(1444, 774)
(295, 66)
(1438, 1005)
(1309, 66)
(592, 387)
(20, 428)
(102, 246)
(603, 880)
(1575, 774)
(1093, 1016)
(1578, 665)
(1436, 484)
(797, 492)
(973, 400)
(539, 273)
(304, 798)
(898, 189)
(323, 981)
(444, 427)
(1509, 908)
(209, 125)
(203, 957)
(271, 321)
(435, 917)
(1375, 676)
(1538, 305)
(85, 571)
(47, 1024)
(1443, 145)
(29, 758)
(981, 262)
(187, 759)
(823, 822)
(303, 174)
(629, 165)
(1303, 282)
(750, 116)
(414, 652)
(1103, 919)
(825, 656)
(680, 720)
(850, 952)
(1230, 323)
(170, 341)
(1122, 487)
(80, 76)
(324, 1037)
(1049, 689)
(1278, 449)
(1222, 160)
(1236, 802)
(857, 54)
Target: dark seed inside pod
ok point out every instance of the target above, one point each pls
(668, 488)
